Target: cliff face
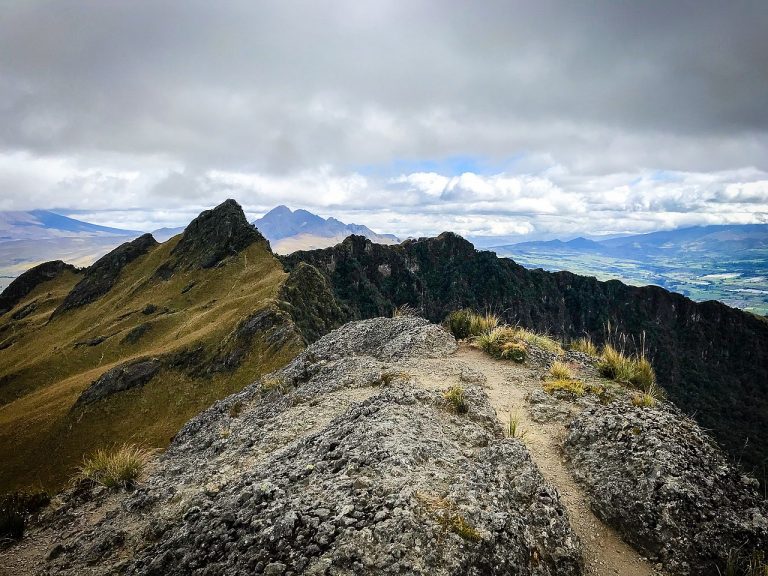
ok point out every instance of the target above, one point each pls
(711, 359)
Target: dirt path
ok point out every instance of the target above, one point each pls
(605, 553)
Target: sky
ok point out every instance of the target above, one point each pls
(510, 119)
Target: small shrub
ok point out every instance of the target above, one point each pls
(459, 324)
(614, 364)
(449, 518)
(585, 346)
(456, 399)
(573, 387)
(118, 467)
(465, 323)
(636, 371)
(513, 427)
(560, 371)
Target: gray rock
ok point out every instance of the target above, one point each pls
(123, 377)
(339, 470)
(657, 478)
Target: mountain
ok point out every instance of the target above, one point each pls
(140, 341)
(305, 430)
(30, 238)
(288, 231)
(727, 263)
(42, 224)
(711, 359)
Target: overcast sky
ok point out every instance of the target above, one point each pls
(487, 118)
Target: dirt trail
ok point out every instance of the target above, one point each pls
(605, 553)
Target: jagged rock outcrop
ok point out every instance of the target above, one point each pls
(655, 476)
(17, 290)
(212, 236)
(124, 377)
(337, 464)
(307, 296)
(101, 276)
(711, 359)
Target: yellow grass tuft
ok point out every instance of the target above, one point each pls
(456, 399)
(585, 346)
(560, 371)
(118, 467)
(573, 387)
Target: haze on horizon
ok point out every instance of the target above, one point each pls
(509, 119)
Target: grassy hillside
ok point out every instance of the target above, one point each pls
(185, 320)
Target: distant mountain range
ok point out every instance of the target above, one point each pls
(290, 230)
(727, 263)
(42, 224)
(29, 238)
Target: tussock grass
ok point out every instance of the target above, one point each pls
(560, 371)
(466, 323)
(643, 400)
(636, 370)
(542, 341)
(117, 467)
(502, 343)
(482, 323)
(573, 387)
(585, 346)
(456, 400)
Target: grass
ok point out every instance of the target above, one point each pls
(560, 371)
(465, 323)
(448, 517)
(616, 365)
(740, 564)
(643, 400)
(585, 346)
(539, 340)
(573, 387)
(456, 399)
(501, 342)
(513, 427)
(118, 467)
(42, 442)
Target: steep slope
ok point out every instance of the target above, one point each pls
(711, 359)
(146, 338)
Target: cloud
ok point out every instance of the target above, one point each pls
(609, 115)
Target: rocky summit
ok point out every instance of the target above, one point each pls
(357, 458)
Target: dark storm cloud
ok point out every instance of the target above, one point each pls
(154, 96)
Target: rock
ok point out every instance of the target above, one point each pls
(545, 408)
(655, 476)
(212, 236)
(25, 283)
(135, 334)
(101, 276)
(307, 296)
(123, 377)
(340, 471)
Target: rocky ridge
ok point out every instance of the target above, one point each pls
(29, 280)
(711, 359)
(102, 275)
(338, 464)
